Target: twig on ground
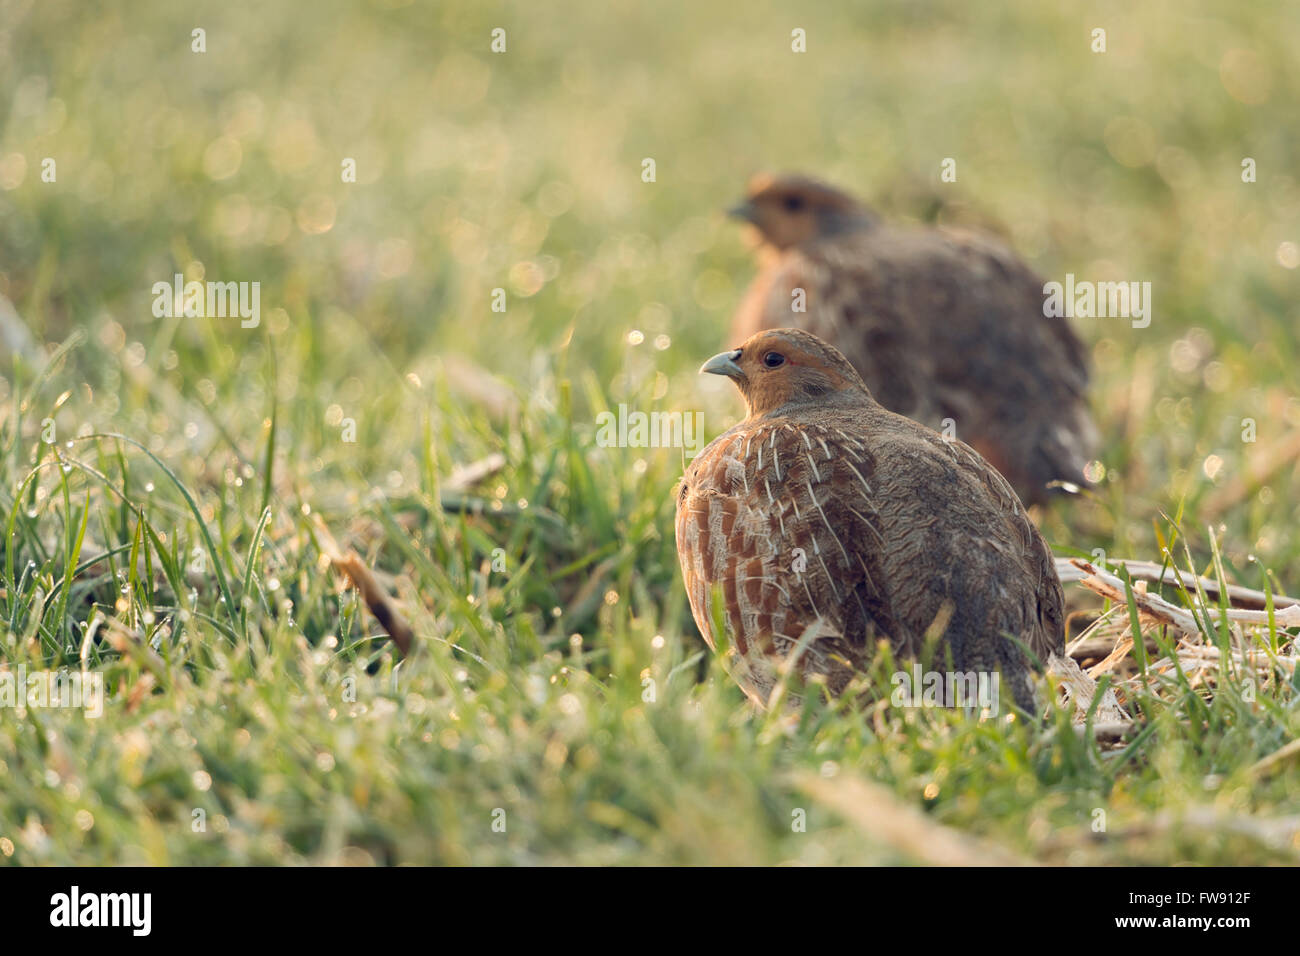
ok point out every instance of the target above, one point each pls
(465, 477)
(1271, 762)
(477, 386)
(376, 598)
(1068, 571)
(1081, 688)
(1157, 608)
(874, 811)
(1278, 833)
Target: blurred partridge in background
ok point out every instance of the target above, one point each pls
(940, 323)
(829, 523)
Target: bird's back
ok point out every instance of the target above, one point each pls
(947, 328)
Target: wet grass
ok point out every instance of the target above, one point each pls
(562, 708)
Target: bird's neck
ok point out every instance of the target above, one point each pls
(801, 404)
(840, 222)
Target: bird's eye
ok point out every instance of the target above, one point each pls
(773, 359)
(793, 203)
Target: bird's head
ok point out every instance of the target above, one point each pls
(786, 369)
(791, 210)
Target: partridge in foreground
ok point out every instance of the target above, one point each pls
(829, 523)
(940, 323)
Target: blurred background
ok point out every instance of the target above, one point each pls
(522, 170)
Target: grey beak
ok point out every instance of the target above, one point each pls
(724, 363)
(745, 210)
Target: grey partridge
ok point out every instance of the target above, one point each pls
(946, 326)
(826, 524)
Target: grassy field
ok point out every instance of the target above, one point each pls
(163, 481)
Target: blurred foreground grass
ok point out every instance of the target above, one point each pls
(247, 691)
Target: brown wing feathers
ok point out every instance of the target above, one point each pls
(828, 523)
